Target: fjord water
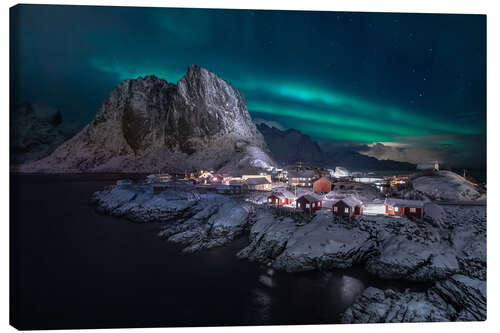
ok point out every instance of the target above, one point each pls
(71, 267)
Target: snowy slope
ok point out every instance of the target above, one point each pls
(446, 185)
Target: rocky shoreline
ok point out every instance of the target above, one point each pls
(448, 249)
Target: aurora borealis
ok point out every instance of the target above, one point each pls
(404, 80)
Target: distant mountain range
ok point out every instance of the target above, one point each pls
(35, 132)
(290, 146)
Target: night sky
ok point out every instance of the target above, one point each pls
(402, 86)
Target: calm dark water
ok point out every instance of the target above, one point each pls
(73, 268)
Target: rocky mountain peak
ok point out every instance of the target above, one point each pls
(202, 120)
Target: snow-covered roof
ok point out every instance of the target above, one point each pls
(404, 203)
(283, 194)
(257, 181)
(310, 197)
(349, 201)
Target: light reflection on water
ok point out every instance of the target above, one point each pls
(350, 288)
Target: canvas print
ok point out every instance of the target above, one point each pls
(204, 167)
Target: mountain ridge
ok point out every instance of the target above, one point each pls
(290, 146)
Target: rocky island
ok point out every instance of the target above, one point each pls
(447, 249)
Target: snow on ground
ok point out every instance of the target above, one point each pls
(374, 209)
(446, 185)
(449, 246)
(323, 244)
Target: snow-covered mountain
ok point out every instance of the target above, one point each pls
(147, 124)
(35, 132)
(291, 146)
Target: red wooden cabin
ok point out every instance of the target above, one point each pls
(400, 207)
(322, 185)
(309, 202)
(348, 207)
(281, 198)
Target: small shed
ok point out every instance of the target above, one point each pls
(309, 202)
(322, 185)
(402, 207)
(347, 207)
(238, 187)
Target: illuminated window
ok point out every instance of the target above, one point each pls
(307, 205)
(335, 209)
(270, 200)
(346, 210)
(396, 209)
(390, 207)
(413, 210)
(314, 204)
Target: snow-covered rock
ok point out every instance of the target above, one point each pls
(458, 298)
(379, 306)
(401, 258)
(197, 221)
(467, 295)
(389, 247)
(323, 244)
(268, 236)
